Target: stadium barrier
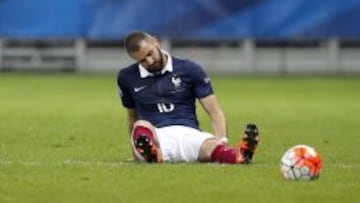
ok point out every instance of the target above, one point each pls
(249, 57)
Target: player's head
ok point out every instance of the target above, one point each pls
(145, 49)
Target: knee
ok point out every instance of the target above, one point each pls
(143, 123)
(143, 126)
(207, 148)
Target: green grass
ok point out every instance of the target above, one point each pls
(63, 138)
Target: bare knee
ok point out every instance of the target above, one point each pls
(207, 148)
(143, 123)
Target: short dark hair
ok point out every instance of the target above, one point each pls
(132, 41)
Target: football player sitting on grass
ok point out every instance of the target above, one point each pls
(159, 93)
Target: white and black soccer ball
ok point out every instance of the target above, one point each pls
(300, 162)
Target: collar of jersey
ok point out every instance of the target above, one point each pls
(168, 67)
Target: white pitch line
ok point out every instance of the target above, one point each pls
(96, 163)
(67, 162)
(71, 162)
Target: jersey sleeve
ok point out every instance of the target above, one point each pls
(202, 83)
(124, 93)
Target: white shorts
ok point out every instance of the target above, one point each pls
(180, 143)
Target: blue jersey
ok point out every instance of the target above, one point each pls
(168, 98)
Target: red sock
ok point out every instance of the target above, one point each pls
(225, 154)
(140, 130)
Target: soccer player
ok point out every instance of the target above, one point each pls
(159, 92)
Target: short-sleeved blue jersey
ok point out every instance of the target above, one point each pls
(166, 99)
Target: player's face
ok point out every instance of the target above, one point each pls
(149, 56)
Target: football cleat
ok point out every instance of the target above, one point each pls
(249, 142)
(146, 147)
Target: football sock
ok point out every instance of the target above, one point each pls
(140, 130)
(226, 154)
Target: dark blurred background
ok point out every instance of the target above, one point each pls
(244, 37)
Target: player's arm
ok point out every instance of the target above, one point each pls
(127, 100)
(212, 107)
(131, 118)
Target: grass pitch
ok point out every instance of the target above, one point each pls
(63, 138)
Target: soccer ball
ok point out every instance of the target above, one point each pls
(300, 162)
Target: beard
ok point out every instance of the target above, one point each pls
(158, 65)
